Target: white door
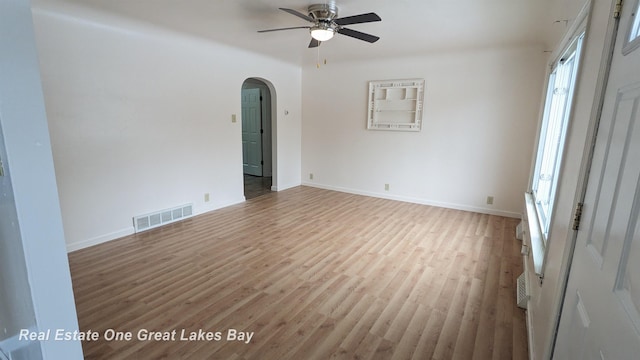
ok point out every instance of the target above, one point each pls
(601, 312)
(251, 132)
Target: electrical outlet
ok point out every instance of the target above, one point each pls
(386, 187)
(489, 200)
(310, 176)
(206, 197)
(233, 117)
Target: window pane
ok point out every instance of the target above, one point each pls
(635, 28)
(552, 134)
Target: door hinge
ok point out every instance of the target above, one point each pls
(618, 9)
(261, 162)
(577, 215)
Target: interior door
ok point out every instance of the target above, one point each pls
(251, 132)
(601, 313)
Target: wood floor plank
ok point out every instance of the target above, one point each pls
(452, 324)
(411, 337)
(470, 320)
(430, 335)
(484, 344)
(311, 274)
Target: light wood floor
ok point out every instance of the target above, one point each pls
(314, 274)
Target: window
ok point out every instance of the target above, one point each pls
(552, 134)
(633, 40)
(634, 33)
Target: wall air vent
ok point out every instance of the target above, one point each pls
(522, 293)
(162, 217)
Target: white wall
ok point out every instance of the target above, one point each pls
(479, 123)
(35, 285)
(562, 15)
(140, 120)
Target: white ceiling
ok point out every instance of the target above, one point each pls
(408, 26)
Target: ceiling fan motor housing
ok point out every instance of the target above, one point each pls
(323, 12)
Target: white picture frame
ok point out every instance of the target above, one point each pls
(396, 105)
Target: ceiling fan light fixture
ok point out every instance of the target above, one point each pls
(321, 33)
(325, 23)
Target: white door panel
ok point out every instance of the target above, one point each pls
(600, 316)
(251, 132)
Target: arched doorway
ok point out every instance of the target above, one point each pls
(258, 109)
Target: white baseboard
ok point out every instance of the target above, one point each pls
(417, 200)
(202, 210)
(284, 187)
(217, 205)
(530, 336)
(99, 239)
(130, 230)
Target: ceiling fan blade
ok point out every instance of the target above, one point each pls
(358, 19)
(298, 14)
(358, 35)
(314, 43)
(287, 28)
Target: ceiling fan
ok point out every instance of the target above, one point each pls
(326, 23)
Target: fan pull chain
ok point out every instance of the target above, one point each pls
(318, 59)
